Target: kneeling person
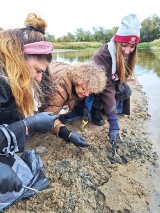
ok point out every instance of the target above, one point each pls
(70, 85)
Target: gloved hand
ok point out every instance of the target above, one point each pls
(86, 114)
(78, 140)
(113, 136)
(9, 181)
(120, 88)
(41, 122)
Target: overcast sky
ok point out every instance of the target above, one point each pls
(65, 16)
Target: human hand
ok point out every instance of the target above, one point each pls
(41, 122)
(120, 87)
(9, 181)
(78, 140)
(113, 137)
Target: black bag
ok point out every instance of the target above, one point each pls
(29, 169)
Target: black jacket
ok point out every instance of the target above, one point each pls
(9, 115)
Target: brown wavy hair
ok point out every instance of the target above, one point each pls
(12, 61)
(125, 68)
(91, 73)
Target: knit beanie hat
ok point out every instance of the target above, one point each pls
(129, 30)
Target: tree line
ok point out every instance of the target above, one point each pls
(150, 31)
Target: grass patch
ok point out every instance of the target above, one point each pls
(151, 45)
(76, 45)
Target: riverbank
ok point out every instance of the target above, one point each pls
(76, 45)
(91, 180)
(84, 45)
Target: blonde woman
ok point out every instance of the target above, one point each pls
(24, 57)
(72, 84)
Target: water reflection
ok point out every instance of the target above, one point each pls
(149, 60)
(148, 74)
(73, 56)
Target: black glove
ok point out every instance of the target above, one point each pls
(41, 122)
(9, 181)
(113, 136)
(86, 114)
(77, 140)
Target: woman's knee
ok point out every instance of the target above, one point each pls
(124, 93)
(128, 91)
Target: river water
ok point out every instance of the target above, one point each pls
(147, 71)
(148, 74)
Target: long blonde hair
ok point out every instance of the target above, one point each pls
(125, 68)
(12, 61)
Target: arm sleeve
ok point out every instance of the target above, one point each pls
(113, 122)
(103, 58)
(55, 103)
(64, 133)
(5, 92)
(19, 130)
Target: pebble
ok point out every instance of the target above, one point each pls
(41, 150)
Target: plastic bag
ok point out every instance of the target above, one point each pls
(29, 169)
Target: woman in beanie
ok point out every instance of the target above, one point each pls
(118, 57)
(24, 57)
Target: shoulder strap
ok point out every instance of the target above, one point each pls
(11, 138)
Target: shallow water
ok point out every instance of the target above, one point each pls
(148, 74)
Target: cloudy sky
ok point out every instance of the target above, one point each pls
(65, 16)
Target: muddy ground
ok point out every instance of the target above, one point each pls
(90, 180)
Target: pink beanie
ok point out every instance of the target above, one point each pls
(129, 30)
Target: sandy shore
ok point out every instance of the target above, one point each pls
(91, 180)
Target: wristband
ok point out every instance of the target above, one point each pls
(64, 133)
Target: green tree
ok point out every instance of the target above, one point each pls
(98, 34)
(109, 33)
(49, 37)
(80, 35)
(71, 37)
(150, 29)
